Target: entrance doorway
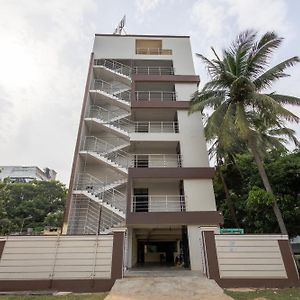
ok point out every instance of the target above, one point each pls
(157, 253)
(160, 247)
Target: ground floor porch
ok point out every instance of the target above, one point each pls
(163, 247)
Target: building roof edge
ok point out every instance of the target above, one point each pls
(143, 35)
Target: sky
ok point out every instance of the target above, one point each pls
(44, 54)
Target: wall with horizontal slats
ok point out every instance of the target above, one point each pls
(56, 257)
(249, 256)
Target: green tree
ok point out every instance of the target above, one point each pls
(34, 204)
(253, 203)
(237, 94)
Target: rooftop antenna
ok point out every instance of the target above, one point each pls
(120, 26)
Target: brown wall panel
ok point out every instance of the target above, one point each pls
(117, 255)
(166, 78)
(160, 104)
(175, 218)
(181, 173)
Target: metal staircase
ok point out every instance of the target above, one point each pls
(99, 204)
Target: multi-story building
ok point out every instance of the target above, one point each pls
(140, 160)
(26, 173)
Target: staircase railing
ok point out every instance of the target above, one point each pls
(88, 182)
(116, 199)
(114, 66)
(120, 157)
(94, 144)
(108, 88)
(96, 187)
(106, 115)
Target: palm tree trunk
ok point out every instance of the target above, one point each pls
(267, 185)
(228, 200)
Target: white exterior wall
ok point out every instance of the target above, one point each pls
(194, 235)
(123, 47)
(199, 195)
(184, 91)
(192, 141)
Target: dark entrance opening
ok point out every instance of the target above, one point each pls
(157, 253)
(141, 161)
(140, 203)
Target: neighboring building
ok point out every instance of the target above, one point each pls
(26, 174)
(141, 159)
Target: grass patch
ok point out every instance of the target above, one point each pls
(268, 294)
(96, 296)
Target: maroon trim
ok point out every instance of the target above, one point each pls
(256, 283)
(213, 268)
(75, 158)
(160, 104)
(144, 35)
(211, 255)
(117, 255)
(182, 173)
(288, 260)
(2, 245)
(72, 285)
(174, 218)
(166, 78)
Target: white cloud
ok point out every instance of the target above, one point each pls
(145, 6)
(218, 21)
(44, 54)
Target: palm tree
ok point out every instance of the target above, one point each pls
(237, 95)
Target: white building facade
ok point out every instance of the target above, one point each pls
(26, 173)
(140, 160)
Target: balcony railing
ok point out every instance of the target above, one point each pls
(114, 66)
(153, 51)
(155, 96)
(157, 160)
(158, 203)
(155, 70)
(156, 127)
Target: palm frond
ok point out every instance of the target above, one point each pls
(206, 99)
(212, 68)
(261, 52)
(285, 131)
(285, 99)
(267, 105)
(266, 79)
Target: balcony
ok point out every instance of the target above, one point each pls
(156, 127)
(153, 51)
(157, 161)
(155, 96)
(158, 203)
(153, 70)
